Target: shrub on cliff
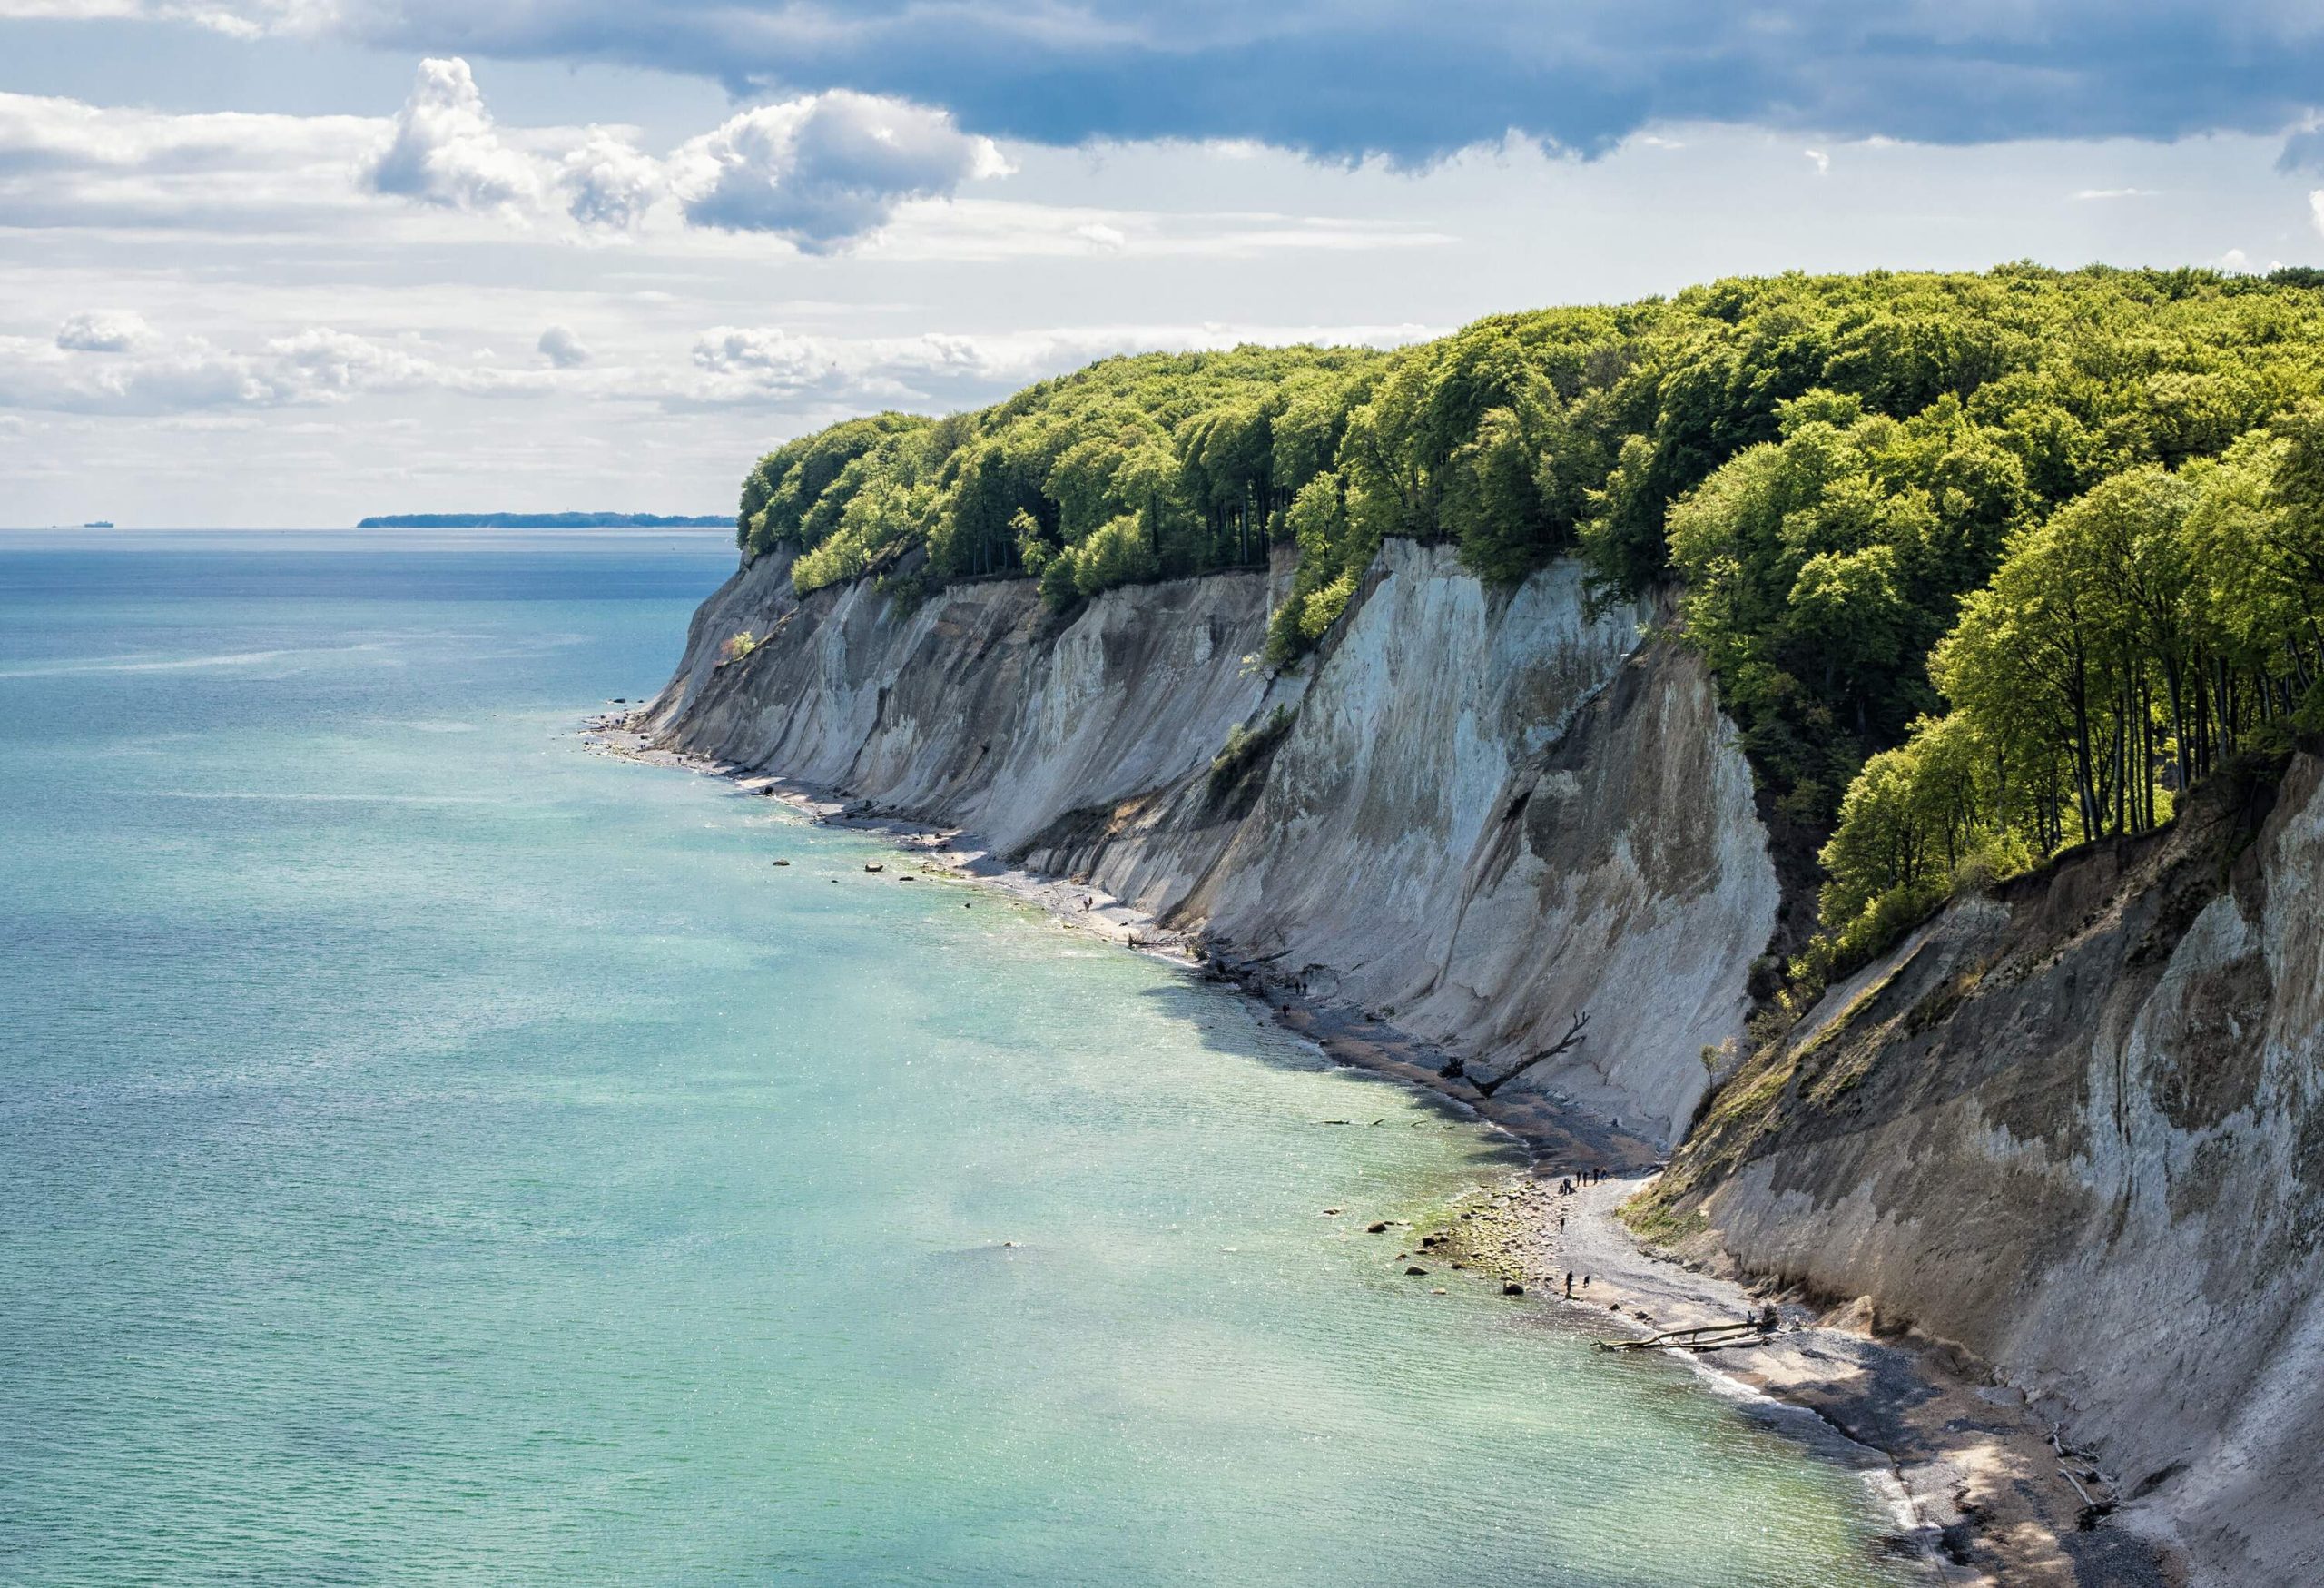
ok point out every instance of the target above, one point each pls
(1245, 751)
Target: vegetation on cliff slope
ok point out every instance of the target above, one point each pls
(1986, 565)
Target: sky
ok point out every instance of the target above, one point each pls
(294, 262)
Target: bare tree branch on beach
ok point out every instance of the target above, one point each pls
(1455, 1070)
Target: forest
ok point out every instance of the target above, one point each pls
(1987, 566)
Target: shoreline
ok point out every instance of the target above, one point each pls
(1977, 1484)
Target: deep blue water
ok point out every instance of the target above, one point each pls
(432, 1153)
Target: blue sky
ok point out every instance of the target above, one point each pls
(289, 261)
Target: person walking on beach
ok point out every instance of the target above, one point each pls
(1569, 1284)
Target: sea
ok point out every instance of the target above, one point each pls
(433, 1151)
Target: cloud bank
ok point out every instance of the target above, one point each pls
(823, 172)
(116, 364)
(1412, 80)
(113, 363)
(66, 163)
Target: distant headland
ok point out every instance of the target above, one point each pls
(541, 521)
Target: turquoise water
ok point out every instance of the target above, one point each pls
(432, 1153)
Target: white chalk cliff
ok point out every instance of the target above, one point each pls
(1490, 811)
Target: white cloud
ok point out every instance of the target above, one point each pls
(2095, 195)
(609, 181)
(1823, 161)
(446, 149)
(822, 172)
(102, 332)
(1102, 238)
(766, 352)
(826, 171)
(2316, 207)
(561, 348)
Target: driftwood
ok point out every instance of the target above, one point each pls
(1455, 1070)
(1703, 1337)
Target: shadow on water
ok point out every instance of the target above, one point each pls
(1544, 1135)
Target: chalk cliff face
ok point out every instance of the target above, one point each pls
(2077, 1128)
(1487, 812)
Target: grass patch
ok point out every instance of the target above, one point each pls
(1245, 751)
(1659, 1221)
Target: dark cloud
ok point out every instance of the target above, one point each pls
(1343, 78)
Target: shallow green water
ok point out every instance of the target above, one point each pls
(430, 1153)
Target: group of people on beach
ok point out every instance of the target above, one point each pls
(1567, 1187)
